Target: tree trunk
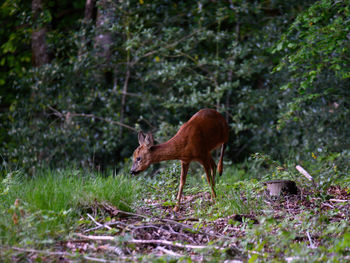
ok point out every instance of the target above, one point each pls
(88, 20)
(104, 39)
(89, 10)
(40, 54)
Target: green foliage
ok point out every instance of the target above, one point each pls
(314, 95)
(317, 41)
(165, 67)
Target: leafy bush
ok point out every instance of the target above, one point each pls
(315, 53)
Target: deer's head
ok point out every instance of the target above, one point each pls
(142, 154)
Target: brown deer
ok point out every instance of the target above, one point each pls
(194, 141)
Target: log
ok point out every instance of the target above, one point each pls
(281, 187)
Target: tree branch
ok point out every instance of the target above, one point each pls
(67, 116)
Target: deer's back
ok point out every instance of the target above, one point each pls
(205, 131)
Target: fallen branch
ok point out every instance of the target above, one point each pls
(53, 253)
(169, 243)
(140, 241)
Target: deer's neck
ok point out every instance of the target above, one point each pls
(169, 150)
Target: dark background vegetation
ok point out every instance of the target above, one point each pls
(79, 78)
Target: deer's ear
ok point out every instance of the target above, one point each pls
(149, 142)
(141, 137)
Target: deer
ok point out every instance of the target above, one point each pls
(202, 133)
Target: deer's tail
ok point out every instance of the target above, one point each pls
(220, 164)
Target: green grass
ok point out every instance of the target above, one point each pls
(50, 204)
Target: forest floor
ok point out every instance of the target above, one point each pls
(154, 231)
(245, 224)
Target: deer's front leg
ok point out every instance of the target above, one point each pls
(184, 170)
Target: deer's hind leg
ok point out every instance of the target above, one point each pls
(210, 172)
(213, 170)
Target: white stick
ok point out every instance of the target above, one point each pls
(304, 172)
(339, 200)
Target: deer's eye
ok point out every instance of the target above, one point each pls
(138, 159)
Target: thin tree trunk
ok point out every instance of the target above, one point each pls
(104, 39)
(40, 54)
(88, 17)
(89, 10)
(125, 91)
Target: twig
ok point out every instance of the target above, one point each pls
(97, 223)
(91, 229)
(101, 238)
(69, 115)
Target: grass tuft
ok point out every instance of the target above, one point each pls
(44, 207)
